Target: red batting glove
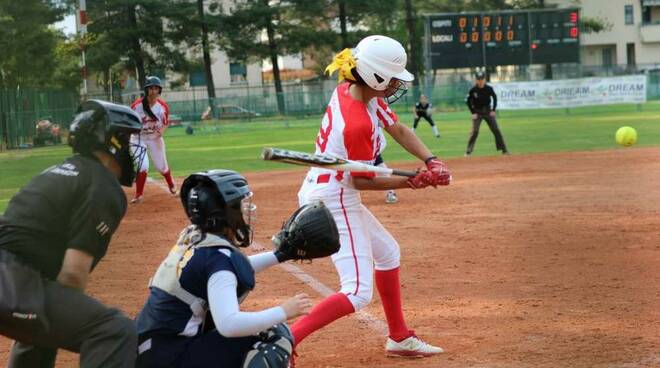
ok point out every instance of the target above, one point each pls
(435, 165)
(422, 180)
(442, 178)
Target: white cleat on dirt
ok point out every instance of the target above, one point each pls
(391, 197)
(412, 347)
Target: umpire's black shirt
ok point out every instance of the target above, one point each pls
(478, 100)
(77, 204)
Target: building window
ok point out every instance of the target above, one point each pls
(630, 54)
(646, 14)
(629, 14)
(237, 72)
(197, 78)
(607, 57)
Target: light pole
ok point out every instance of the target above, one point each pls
(82, 29)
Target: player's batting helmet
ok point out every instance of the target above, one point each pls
(217, 200)
(153, 81)
(107, 127)
(379, 59)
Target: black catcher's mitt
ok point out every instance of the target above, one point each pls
(309, 233)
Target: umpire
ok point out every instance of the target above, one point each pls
(479, 102)
(54, 232)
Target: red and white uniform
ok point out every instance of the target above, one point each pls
(351, 129)
(151, 135)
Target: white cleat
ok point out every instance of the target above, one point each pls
(136, 200)
(391, 197)
(412, 347)
(173, 191)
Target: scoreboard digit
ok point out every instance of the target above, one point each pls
(554, 37)
(503, 38)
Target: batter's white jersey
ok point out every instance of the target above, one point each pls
(151, 135)
(352, 129)
(153, 128)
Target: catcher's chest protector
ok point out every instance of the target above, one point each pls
(169, 271)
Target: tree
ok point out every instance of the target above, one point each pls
(210, 86)
(411, 27)
(27, 43)
(67, 60)
(134, 29)
(263, 29)
(353, 13)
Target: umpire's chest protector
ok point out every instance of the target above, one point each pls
(169, 271)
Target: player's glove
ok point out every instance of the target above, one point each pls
(429, 178)
(311, 232)
(435, 165)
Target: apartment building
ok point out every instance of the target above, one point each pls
(632, 38)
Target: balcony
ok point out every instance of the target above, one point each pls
(650, 32)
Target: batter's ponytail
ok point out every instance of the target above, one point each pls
(147, 108)
(346, 64)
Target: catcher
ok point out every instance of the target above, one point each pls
(192, 317)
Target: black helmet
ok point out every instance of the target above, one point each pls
(107, 127)
(216, 200)
(479, 75)
(153, 81)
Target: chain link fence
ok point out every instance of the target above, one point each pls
(20, 110)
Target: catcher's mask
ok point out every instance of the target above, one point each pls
(217, 200)
(107, 127)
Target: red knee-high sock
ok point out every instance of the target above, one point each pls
(389, 289)
(139, 183)
(168, 178)
(329, 309)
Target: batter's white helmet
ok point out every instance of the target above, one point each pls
(379, 59)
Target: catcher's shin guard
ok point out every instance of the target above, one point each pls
(273, 351)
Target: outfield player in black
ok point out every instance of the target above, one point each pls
(423, 109)
(479, 102)
(54, 232)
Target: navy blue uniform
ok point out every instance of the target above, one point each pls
(172, 335)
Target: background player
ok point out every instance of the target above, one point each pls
(154, 113)
(375, 71)
(423, 110)
(52, 235)
(206, 276)
(478, 101)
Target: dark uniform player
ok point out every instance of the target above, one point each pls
(54, 232)
(421, 110)
(192, 316)
(479, 102)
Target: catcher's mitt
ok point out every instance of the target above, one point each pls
(309, 233)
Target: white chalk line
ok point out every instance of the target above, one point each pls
(369, 319)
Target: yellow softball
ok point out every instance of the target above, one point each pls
(626, 136)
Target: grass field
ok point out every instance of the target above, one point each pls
(238, 145)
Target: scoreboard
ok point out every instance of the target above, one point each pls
(502, 38)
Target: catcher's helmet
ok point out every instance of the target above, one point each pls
(217, 200)
(107, 127)
(153, 81)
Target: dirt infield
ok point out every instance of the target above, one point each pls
(545, 260)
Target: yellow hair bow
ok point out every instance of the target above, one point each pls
(343, 62)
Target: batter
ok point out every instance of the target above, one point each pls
(375, 76)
